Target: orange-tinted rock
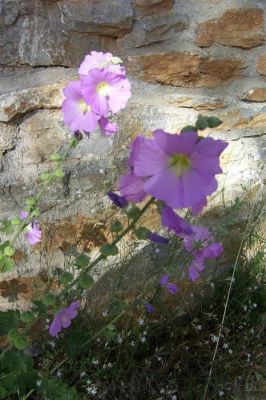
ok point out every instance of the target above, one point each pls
(187, 70)
(243, 27)
(258, 94)
(152, 7)
(211, 106)
(261, 64)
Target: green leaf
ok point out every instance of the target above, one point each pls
(82, 261)
(15, 221)
(30, 201)
(109, 250)
(142, 233)
(56, 157)
(18, 340)
(189, 128)
(116, 226)
(133, 212)
(9, 251)
(202, 123)
(85, 281)
(45, 176)
(49, 299)
(6, 264)
(8, 320)
(66, 277)
(213, 122)
(7, 227)
(27, 316)
(59, 173)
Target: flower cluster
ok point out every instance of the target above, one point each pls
(101, 92)
(33, 232)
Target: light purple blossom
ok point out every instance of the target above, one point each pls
(105, 91)
(63, 318)
(107, 127)
(173, 222)
(33, 232)
(171, 287)
(78, 113)
(149, 307)
(100, 60)
(154, 237)
(178, 169)
(201, 244)
(119, 201)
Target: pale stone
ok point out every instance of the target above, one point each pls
(261, 64)
(257, 95)
(8, 135)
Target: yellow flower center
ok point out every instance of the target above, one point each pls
(179, 163)
(102, 88)
(84, 107)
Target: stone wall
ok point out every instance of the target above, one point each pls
(184, 57)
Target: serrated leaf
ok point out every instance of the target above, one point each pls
(27, 316)
(49, 299)
(85, 281)
(30, 201)
(142, 233)
(56, 157)
(189, 128)
(213, 122)
(133, 212)
(15, 221)
(9, 251)
(116, 226)
(59, 173)
(202, 123)
(109, 250)
(66, 277)
(82, 261)
(44, 176)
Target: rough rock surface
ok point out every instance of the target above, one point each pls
(236, 27)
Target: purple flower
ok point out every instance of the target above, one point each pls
(107, 127)
(154, 237)
(171, 287)
(201, 245)
(149, 307)
(98, 59)
(33, 232)
(105, 91)
(63, 318)
(178, 169)
(78, 113)
(119, 201)
(174, 222)
(131, 187)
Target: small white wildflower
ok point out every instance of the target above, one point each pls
(174, 397)
(252, 331)
(187, 348)
(255, 305)
(162, 391)
(101, 171)
(119, 340)
(248, 356)
(52, 343)
(145, 333)
(82, 374)
(230, 351)
(59, 374)
(47, 320)
(214, 338)
(212, 285)
(221, 393)
(225, 346)
(98, 340)
(104, 314)
(132, 343)
(157, 250)
(199, 327)
(38, 383)
(143, 339)
(141, 321)
(95, 362)
(93, 391)
(109, 365)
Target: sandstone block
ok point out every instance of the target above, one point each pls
(187, 70)
(243, 27)
(261, 64)
(257, 95)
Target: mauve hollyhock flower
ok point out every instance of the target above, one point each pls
(154, 237)
(33, 232)
(131, 187)
(201, 245)
(63, 318)
(178, 169)
(77, 112)
(171, 287)
(105, 91)
(98, 59)
(149, 307)
(107, 127)
(173, 222)
(119, 201)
